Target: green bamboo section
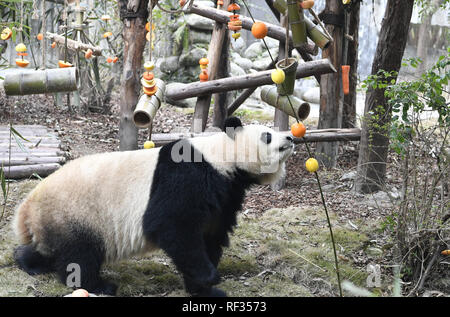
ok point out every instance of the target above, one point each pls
(280, 5)
(289, 67)
(147, 106)
(299, 109)
(316, 34)
(28, 82)
(297, 24)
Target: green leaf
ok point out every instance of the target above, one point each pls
(3, 183)
(15, 132)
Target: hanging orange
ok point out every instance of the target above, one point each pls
(53, 45)
(259, 30)
(298, 130)
(40, 37)
(203, 61)
(6, 34)
(22, 62)
(109, 59)
(115, 59)
(150, 91)
(148, 76)
(306, 4)
(204, 76)
(182, 3)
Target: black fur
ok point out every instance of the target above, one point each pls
(74, 243)
(191, 211)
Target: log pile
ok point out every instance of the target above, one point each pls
(40, 155)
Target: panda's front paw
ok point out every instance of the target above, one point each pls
(210, 292)
(216, 292)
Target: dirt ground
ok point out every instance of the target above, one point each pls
(281, 246)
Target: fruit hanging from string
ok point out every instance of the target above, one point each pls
(235, 23)
(6, 34)
(204, 68)
(21, 50)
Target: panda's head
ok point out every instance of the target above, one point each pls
(259, 150)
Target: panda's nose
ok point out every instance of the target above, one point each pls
(289, 138)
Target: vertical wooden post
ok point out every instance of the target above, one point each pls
(331, 95)
(222, 100)
(134, 44)
(214, 55)
(349, 106)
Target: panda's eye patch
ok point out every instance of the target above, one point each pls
(266, 137)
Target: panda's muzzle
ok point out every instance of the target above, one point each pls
(287, 146)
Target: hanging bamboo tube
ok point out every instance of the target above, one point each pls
(297, 24)
(316, 34)
(280, 5)
(147, 106)
(28, 82)
(300, 109)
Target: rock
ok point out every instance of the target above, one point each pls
(185, 103)
(198, 22)
(169, 64)
(238, 45)
(348, 176)
(236, 70)
(273, 52)
(328, 188)
(312, 95)
(191, 57)
(244, 63)
(262, 63)
(196, 36)
(253, 51)
(374, 251)
(271, 43)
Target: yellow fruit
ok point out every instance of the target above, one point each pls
(149, 145)
(6, 34)
(312, 165)
(278, 76)
(21, 47)
(148, 65)
(236, 35)
(346, 1)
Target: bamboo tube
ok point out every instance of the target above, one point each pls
(289, 67)
(297, 24)
(316, 34)
(280, 5)
(28, 82)
(147, 106)
(301, 108)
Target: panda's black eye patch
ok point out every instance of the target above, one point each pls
(266, 137)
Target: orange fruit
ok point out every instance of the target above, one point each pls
(148, 76)
(182, 3)
(204, 76)
(88, 54)
(115, 59)
(307, 4)
(203, 61)
(40, 37)
(107, 34)
(259, 30)
(150, 91)
(53, 45)
(233, 7)
(109, 59)
(22, 62)
(298, 130)
(63, 64)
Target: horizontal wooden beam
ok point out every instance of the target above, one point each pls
(25, 171)
(322, 135)
(322, 66)
(74, 45)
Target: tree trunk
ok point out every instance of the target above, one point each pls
(221, 100)
(375, 127)
(331, 95)
(423, 42)
(134, 44)
(349, 106)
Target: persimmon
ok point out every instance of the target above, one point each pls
(259, 30)
(53, 45)
(40, 36)
(203, 61)
(115, 59)
(298, 130)
(204, 76)
(182, 3)
(109, 59)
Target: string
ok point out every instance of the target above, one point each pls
(44, 33)
(310, 155)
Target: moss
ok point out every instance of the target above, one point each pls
(237, 266)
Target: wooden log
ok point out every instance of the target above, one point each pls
(322, 66)
(31, 160)
(20, 153)
(323, 135)
(74, 45)
(26, 171)
(214, 56)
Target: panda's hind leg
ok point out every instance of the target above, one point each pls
(31, 261)
(78, 256)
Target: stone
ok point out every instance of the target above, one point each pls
(237, 45)
(253, 51)
(348, 176)
(271, 43)
(244, 63)
(191, 57)
(312, 95)
(262, 63)
(236, 70)
(198, 22)
(196, 36)
(169, 64)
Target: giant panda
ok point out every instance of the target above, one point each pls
(182, 198)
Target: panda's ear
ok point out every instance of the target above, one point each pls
(231, 126)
